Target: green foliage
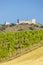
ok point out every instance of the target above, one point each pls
(10, 42)
(12, 24)
(41, 26)
(3, 27)
(31, 28)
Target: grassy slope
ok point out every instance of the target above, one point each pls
(32, 58)
(12, 42)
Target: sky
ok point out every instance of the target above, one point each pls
(11, 10)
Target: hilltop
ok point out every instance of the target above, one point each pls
(20, 27)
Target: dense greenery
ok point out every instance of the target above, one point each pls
(10, 42)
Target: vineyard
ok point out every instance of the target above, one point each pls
(11, 42)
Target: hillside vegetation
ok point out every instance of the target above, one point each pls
(20, 27)
(11, 42)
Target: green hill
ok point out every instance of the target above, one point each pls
(12, 42)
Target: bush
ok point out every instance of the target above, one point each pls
(41, 26)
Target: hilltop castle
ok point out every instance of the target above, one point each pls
(33, 21)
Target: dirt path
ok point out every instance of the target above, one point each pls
(32, 58)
